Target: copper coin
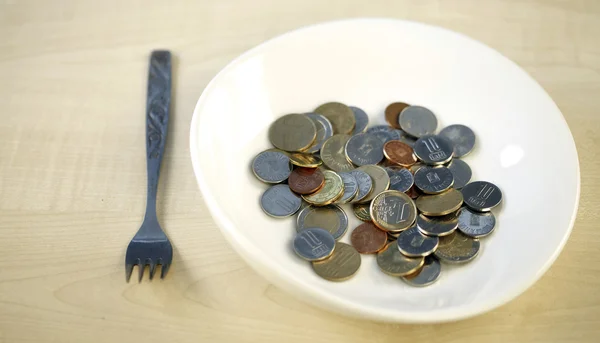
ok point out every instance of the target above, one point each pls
(392, 113)
(306, 180)
(399, 153)
(413, 192)
(368, 239)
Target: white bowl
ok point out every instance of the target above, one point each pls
(523, 145)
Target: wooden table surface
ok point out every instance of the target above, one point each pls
(72, 172)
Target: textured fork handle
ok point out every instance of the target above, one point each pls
(157, 118)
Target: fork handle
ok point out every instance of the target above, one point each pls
(158, 101)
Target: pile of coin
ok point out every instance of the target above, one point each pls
(405, 182)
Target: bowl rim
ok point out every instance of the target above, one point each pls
(280, 276)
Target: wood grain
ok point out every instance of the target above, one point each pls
(72, 172)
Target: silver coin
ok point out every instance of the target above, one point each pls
(481, 196)
(271, 166)
(385, 133)
(324, 131)
(401, 179)
(476, 224)
(404, 138)
(433, 180)
(350, 187)
(362, 120)
(462, 137)
(461, 172)
(432, 149)
(331, 218)
(413, 243)
(427, 275)
(437, 226)
(365, 184)
(364, 148)
(279, 201)
(314, 244)
(417, 121)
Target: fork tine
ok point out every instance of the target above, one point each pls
(164, 270)
(128, 271)
(141, 268)
(152, 269)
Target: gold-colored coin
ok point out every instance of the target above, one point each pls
(332, 190)
(457, 248)
(293, 132)
(440, 204)
(331, 218)
(393, 211)
(361, 211)
(341, 265)
(381, 181)
(413, 169)
(341, 116)
(304, 160)
(392, 262)
(333, 153)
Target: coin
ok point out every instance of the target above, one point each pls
(314, 244)
(414, 192)
(331, 218)
(392, 113)
(392, 236)
(417, 121)
(333, 153)
(433, 149)
(306, 180)
(364, 148)
(292, 132)
(324, 131)
(341, 265)
(332, 190)
(413, 243)
(462, 137)
(279, 201)
(401, 179)
(365, 184)
(340, 116)
(434, 180)
(361, 118)
(361, 211)
(481, 196)
(461, 171)
(475, 224)
(457, 248)
(385, 133)
(271, 166)
(440, 204)
(399, 153)
(393, 263)
(350, 187)
(368, 239)
(426, 275)
(413, 169)
(393, 211)
(304, 160)
(437, 226)
(381, 180)
(406, 139)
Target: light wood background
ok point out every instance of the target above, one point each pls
(72, 172)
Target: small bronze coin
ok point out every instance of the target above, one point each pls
(361, 211)
(457, 248)
(332, 190)
(341, 265)
(391, 261)
(306, 180)
(304, 160)
(333, 153)
(392, 113)
(399, 153)
(293, 132)
(368, 239)
(440, 204)
(341, 117)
